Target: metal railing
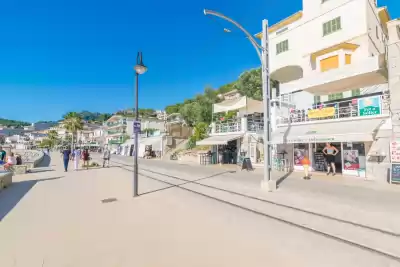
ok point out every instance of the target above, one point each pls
(230, 126)
(117, 123)
(337, 110)
(115, 132)
(255, 125)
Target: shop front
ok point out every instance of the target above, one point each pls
(225, 149)
(352, 139)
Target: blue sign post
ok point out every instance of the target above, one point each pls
(136, 126)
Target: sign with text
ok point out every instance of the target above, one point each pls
(395, 173)
(351, 160)
(136, 126)
(369, 106)
(395, 151)
(321, 113)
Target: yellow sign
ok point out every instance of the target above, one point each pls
(321, 113)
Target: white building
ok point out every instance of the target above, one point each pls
(331, 62)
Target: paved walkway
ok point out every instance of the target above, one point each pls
(52, 218)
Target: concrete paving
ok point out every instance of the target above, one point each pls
(52, 218)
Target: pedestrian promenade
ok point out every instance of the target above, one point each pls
(59, 219)
(357, 200)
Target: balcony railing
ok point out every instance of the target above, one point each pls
(116, 123)
(116, 132)
(230, 126)
(361, 107)
(255, 125)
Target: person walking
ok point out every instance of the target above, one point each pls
(106, 157)
(77, 157)
(66, 154)
(330, 152)
(306, 166)
(86, 157)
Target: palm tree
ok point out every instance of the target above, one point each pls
(52, 135)
(73, 123)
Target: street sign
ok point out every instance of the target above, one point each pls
(136, 126)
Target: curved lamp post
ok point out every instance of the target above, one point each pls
(139, 68)
(263, 54)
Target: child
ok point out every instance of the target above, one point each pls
(306, 166)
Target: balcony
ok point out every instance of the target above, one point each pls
(116, 123)
(364, 73)
(115, 132)
(255, 124)
(230, 126)
(353, 108)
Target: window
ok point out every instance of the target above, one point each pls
(329, 63)
(282, 47)
(335, 96)
(355, 92)
(347, 59)
(331, 26)
(317, 99)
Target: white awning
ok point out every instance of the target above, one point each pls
(218, 139)
(343, 131)
(243, 103)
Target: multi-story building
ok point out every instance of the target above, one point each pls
(331, 63)
(117, 129)
(237, 124)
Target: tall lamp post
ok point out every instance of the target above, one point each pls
(263, 54)
(140, 68)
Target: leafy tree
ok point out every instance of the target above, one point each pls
(73, 123)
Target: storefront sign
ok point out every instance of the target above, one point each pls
(395, 173)
(321, 113)
(311, 139)
(395, 151)
(369, 106)
(351, 160)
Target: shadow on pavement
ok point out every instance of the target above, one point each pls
(10, 196)
(281, 179)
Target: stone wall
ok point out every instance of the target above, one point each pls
(31, 158)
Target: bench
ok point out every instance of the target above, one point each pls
(19, 169)
(5, 179)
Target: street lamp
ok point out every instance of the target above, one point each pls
(140, 68)
(263, 54)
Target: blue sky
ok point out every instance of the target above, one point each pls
(59, 56)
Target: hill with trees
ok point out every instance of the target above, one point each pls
(13, 123)
(199, 109)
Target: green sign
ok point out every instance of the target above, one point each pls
(369, 106)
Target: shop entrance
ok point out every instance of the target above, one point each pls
(319, 159)
(227, 154)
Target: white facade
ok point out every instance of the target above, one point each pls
(330, 60)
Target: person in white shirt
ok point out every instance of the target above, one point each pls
(106, 157)
(77, 157)
(11, 160)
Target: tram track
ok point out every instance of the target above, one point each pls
(372, 239)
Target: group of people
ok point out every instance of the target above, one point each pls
(329, 152)
(77, 154)
(10, 160)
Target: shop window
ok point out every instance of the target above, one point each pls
(354, 156)
(317, 99)
(300, 151)
(355, 92)
(335, 96)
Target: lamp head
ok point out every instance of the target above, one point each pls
(140, 68)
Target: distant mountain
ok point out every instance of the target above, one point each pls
(13, 123)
